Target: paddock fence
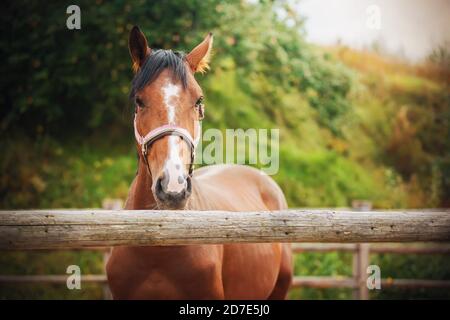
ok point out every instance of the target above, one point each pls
(314, 230)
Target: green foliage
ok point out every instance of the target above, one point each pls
(63, 177)
(440, 55)
(57, 75)
(412, 267)
(335, 264)
(49, 262)
(55, 263)
(324, 179)
(68, 82)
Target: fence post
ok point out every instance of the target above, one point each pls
(109, 204)
(361, 258)
(106, 292)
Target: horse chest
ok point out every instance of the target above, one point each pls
(194, 272)
(250, 270)
(180, 272)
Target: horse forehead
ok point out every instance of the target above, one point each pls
(170, 90)
(165, 87)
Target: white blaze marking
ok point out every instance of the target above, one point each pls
(174, 165)
(170, 91)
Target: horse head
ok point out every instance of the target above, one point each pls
(168, 107)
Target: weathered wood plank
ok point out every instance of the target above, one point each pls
(323, 247)
(414, 283)
(338, 282)
(422, 248)
(323, 282)
(397, 248)
(50, 278)
(52, 229)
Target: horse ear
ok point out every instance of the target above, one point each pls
(139, 50)
(200, 56)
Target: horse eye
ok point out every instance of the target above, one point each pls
(139, 102)
(199, 102)
(200, 108)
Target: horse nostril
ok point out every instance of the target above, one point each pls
(168, 197)
(158, 187)
(188, 186)
(164, 181)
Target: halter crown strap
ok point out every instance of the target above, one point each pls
(165, 130)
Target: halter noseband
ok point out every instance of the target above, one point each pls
(165, 130)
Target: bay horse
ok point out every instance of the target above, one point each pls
(169, 104)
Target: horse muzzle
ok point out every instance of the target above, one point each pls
(169, 198)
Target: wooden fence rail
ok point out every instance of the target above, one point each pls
(53, 229)
(399, 248)
(345, 282)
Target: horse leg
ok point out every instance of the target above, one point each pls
(284, 279)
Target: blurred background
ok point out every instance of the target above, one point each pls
(360, 91)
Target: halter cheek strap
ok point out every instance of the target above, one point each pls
(165, 130)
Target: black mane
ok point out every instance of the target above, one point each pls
(155, 63)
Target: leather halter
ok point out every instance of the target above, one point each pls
(165, 130)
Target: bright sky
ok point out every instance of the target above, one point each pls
(406, 27)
